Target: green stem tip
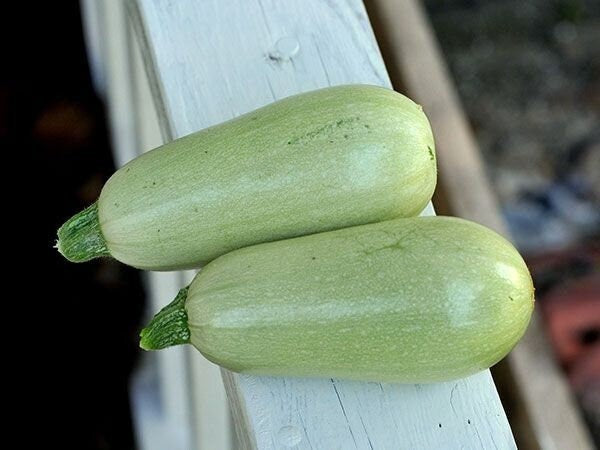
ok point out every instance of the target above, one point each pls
(169, 326)
(80, 239)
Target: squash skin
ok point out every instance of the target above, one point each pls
(415, 300)
(319, 161)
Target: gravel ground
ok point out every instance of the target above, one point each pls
(529, 77)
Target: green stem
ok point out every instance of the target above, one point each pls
(169, 326)
(80, 238)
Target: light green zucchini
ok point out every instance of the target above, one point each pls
(422, 299)
(314, 162)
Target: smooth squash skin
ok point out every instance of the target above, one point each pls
(318, 161)
(413, 300)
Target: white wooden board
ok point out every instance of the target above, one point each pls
(209, 61)
(163, 410)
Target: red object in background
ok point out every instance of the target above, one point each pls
(567, 286)
(586, 371)
(572, 313)
(568, 294)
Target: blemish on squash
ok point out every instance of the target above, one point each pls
(327, 129)
(431, 155)
(469, 421)
(439, 425)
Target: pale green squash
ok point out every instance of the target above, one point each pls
(408, 300)
(318, 161)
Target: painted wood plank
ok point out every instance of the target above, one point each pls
(175, 425)
(199, 407)
(119, 77)
(211, 61)
(415, 61)
(92, 16)
(175, 367)
(161, 410)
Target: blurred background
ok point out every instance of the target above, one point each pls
(528, 77)
(89, 314)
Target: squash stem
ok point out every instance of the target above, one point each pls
(169, 326)
(80, 239)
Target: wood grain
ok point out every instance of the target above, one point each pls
(210, 61)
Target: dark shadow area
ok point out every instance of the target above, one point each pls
(82, 319)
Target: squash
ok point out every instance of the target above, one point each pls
(414, 300)
(318, 161)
